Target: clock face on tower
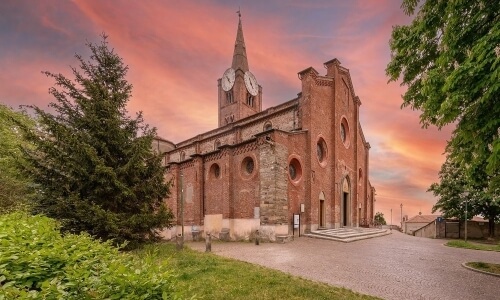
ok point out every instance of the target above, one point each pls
(228, 79)
(251, 83)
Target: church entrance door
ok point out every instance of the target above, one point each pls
(321, 213)
(344, 207)
(322, 210)
(345, 203)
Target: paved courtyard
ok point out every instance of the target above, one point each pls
(395, 266)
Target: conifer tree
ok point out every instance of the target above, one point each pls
(14, 187)
(93, 163)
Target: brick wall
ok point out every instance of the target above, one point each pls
(216, 181)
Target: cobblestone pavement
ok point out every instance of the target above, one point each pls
(395, 266)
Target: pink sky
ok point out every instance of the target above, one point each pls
(176, 51)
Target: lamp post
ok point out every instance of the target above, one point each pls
(391, 220)
(180, 242)
(401, 216)
(466, 195)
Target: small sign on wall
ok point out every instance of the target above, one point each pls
(256, 212)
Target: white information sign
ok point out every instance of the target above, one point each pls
(296, 221)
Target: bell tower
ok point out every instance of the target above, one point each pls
(240, 95)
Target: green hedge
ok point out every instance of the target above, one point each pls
(36, 262)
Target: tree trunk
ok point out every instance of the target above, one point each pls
(491, 226)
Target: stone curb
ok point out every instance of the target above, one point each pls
(480, 271)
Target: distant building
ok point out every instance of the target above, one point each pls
(417, 222)
(306, 156)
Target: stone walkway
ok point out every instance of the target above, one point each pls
(395, 266)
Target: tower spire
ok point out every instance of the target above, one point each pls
(240, 54)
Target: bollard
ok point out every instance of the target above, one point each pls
(208, 243)
(179, 241)
(257, 237)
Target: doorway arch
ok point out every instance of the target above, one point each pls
(322, 210)
(345, 202)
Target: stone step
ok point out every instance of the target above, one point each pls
(348, 234)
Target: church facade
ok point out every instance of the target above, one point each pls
(307, 156)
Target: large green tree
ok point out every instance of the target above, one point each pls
(15, 188)
(456, 195)
(379, 219)
(449, 59)
(94, 164)
(451, 191)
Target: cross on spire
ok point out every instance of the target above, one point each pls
(240, 55)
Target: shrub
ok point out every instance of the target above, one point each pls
(37, 262)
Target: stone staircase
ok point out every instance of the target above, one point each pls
(347, 234)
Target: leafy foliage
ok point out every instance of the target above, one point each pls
(15, 189)
(36, 262)
(379, 219)
(454, 191)
(449, 58)
(451, 191)
(93, 163)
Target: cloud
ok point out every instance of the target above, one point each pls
(177, 50)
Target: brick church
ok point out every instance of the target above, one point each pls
(307, 156)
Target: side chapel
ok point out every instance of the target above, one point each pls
(306, 156)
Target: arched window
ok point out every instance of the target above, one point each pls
(250, 100)
(229, 97)
(215, 171)
(268, 126)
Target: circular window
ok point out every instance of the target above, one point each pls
(344, 132)
(215, 170)
(268, 126)
(294, 170)
(321, 151)
(247, 166)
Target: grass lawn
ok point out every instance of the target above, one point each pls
(474, 245)
(492, 268)
(212, 277)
